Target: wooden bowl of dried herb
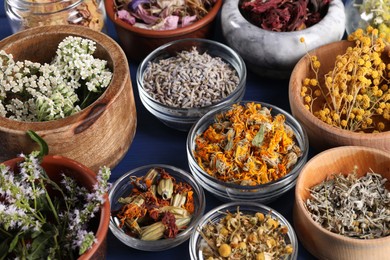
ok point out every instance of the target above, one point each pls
(342, 200)
(340, 92)
(142, 26)
(72, 86)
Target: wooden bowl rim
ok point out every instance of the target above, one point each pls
(299, 203)
(208, 18)
(110, 94)
(295, 95)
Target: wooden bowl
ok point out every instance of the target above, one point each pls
(138, 42)
(320, 242)
(54, 165)
(99, 134)
(321, 135)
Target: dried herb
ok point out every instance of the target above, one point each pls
(245, 236)
(190, 79)
(247, 145)
(161, 14)
(158, 206)
(352, 206)
(284, 15)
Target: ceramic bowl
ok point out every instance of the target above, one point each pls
(122, 188)
(274, 54)
(138, 42)
(329, 136)
(316, 239)
(183, 118)
(264, 193)
(251, 208)
(98, 135)
(55, 164)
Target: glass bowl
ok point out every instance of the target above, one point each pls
(263, 193)
(122, 188)
(183, 118)
(363, 13)
(250, 208)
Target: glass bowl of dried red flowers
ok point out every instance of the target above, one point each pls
(255, 232)
(144, 25)
(182, 80)
(155, 207)
(267, 33)
(248, 151)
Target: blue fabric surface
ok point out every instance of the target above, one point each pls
(156, 143)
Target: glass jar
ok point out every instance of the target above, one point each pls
(24, 14)
(363, 13)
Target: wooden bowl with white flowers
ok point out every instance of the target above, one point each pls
(99, 134)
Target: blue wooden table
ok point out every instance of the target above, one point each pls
(156, 143)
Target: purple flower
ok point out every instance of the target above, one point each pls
(171, 22)
(133, 5)
(145, 16)
(125, 16)
(187, 20)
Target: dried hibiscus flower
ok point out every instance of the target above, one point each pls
(284, 15)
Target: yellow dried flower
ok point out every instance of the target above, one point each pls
(381, 126)
(313, 82)
(355, 88)
(224, 250)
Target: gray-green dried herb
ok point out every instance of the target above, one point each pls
(190, 79)
(352, 206)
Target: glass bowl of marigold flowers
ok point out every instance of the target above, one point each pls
(248, 151)
(266, 33)
(155, 207)
(248, 230)
(340, 92)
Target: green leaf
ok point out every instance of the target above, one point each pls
(39, 246)
(4, 246)
(14, 242)
(259, 138)
(44, 148)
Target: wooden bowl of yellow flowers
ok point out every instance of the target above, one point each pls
(340, 93)
(72, 86)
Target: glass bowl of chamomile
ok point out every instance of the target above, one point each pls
(182, 80)
(155, 207)
(248, 230)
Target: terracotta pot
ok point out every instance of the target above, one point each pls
(320, 242)
(99, 134)
(54, 166)
(322, 135)
(139, 42)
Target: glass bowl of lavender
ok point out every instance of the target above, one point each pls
(155, 207)
(182, 80)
